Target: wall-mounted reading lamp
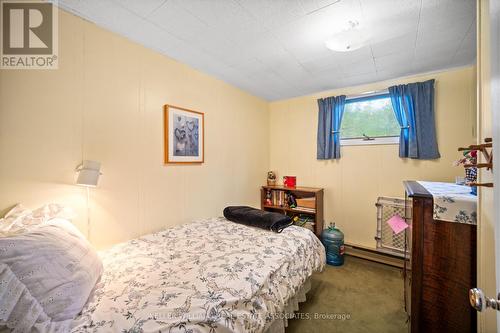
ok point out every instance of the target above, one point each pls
(88, 173)
(88, 176)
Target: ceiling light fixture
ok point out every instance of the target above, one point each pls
(349, 39)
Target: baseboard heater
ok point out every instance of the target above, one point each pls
(373, 255)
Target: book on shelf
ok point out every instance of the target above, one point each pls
(279, 198)
(305, 209)
(309, 202)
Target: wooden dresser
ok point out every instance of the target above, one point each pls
(440, 268)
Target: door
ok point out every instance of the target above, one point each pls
(495, 107)
(485, 299)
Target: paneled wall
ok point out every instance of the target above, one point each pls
(353, 183)
(105, 103)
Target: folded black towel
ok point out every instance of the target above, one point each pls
(257, 218)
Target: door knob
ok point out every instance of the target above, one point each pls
(479, 302)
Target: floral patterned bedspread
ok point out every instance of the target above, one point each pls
(211, 275)
(452, 203)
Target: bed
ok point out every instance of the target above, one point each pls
(211, 275)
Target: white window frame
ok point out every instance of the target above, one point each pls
(376, 140)
(381, 140)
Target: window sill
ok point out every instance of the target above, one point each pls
(392, 140)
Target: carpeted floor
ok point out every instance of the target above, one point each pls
(363, 295)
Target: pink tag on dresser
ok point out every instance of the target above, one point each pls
(397, 224)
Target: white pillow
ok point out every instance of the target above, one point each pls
(20, 219)
(55, 265)
(17, 220)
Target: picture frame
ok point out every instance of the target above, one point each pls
(184, 133)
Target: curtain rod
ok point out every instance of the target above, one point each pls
(368, 93)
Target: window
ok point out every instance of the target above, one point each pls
(369, 120)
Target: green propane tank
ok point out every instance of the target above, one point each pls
(333, 240)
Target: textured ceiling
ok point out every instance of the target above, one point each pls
(275, 49)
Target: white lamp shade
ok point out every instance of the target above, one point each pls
(88, 173)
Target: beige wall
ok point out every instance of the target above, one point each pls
(105, 103)
(486, 231)
(353, 183)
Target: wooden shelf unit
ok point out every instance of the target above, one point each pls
(299, 192)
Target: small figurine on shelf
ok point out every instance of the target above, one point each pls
(469, 158)
(271, 178)
(292, 202)
(269, 197)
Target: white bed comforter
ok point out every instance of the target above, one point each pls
(207, 276)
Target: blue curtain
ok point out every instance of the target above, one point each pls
(331, 110)
(413, 106)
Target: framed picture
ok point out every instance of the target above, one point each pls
(184, 135)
